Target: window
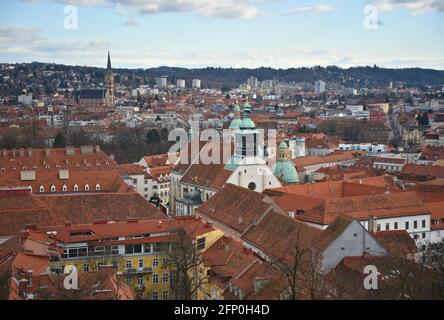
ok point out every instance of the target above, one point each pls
(155, 278)
(129, 264)
(86, 187)
(76, 188)
(342, 248)
(355, 234)
(64, 188)
(139, 280)
(252, 186)
(165, 278)
(155, 262)
(201, 243)
(99, 265)
(85, 267)
(415, 224)
(133, 248)
(387, 226)
(97, 187)
(406, 225)
(165, 295)
(244, 146)
(423, 223)
(140, 263)
(396, 226)
(115, 264)
(155, 295)
(379, 227)
(128, 280)
(423, 235)
(53, 188)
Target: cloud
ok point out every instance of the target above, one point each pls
(319, 8)
(415, 7)
(225, 9)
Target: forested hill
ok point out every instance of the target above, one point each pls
(358, 77)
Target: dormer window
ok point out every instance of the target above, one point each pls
(64, 188)
(76, 188)
(86, 187)
(53, 188)
(97, 187)
(41, 189)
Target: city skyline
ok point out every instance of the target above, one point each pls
(251, 34)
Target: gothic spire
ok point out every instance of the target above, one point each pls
(108, 67)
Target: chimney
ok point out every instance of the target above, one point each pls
(241, 219)
(372, 224)
(69, 150)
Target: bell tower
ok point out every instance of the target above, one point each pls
(109, 86)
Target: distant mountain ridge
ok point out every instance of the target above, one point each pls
(232, 77)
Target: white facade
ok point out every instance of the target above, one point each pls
(319, 86)
(253, 173)
(180, 84)
(196, 83)
(161, 82)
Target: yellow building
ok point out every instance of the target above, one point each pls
(136, 250)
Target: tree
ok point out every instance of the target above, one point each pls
(60, 140)
(153, 137)
(184, 261)
(300, 266)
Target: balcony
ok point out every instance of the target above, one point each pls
(136, 271)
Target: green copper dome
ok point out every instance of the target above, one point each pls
(235, 124)
(246, 122)
(286, 171)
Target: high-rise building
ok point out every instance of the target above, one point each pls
(180, 83)
(161, 82)
(109, 85)
(319, 86)
(196, 83)
(252, 82)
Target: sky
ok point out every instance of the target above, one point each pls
(224, 33)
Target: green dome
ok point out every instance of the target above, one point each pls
(283, 145)
(235, 124)
(247, 123)
(286, 171)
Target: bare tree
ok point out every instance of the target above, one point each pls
(184, 260)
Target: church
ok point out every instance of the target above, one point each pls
(99, 96)
(193, 184)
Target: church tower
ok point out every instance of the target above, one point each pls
(109, 86)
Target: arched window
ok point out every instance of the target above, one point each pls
(76, 188)
(244, 145)
(64, 188)
(41, 189)
(97, 187)
(53, 188)
(86, 187)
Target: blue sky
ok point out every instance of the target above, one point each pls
(226, 33)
